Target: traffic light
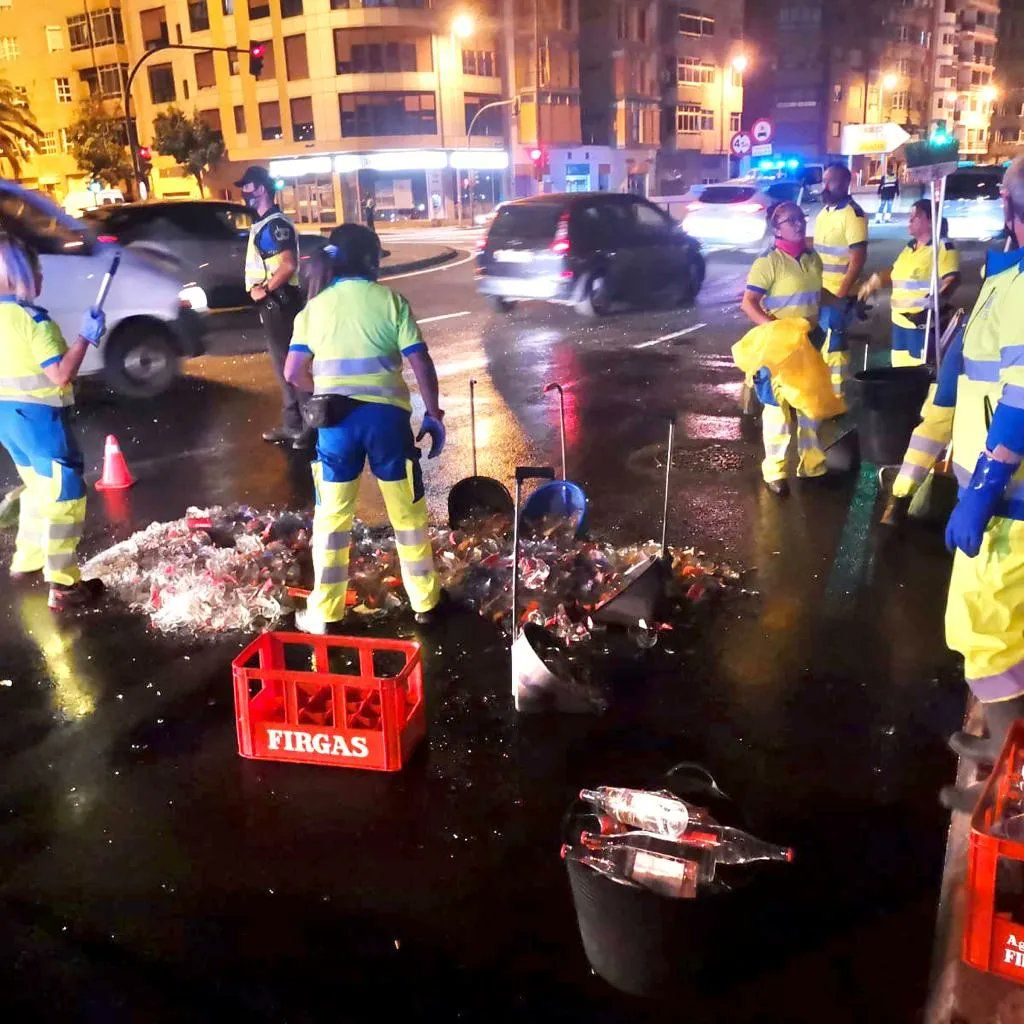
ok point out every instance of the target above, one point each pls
(939, 136)
(257, 53)
(145, 155)
(540, 162)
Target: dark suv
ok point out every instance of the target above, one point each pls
(591, 250)
(206, 238)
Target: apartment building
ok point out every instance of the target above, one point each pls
(57, 54)
(1006, 136)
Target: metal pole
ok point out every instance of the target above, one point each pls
(721, 126)
(937, 204)
(515, 563)
(668, 470)
(456, 173)
(472, 419)
(469, 147)
(536, 61)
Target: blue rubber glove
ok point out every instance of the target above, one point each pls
(977, 503)
(94, 326)
(435, 428)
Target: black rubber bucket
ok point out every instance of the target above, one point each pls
(890, 398)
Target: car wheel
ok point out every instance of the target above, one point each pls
(595, 302)
(501, 305)
(140, 360)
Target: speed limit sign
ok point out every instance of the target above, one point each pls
(740, 144)
(762, 130)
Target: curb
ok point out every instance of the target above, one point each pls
(393, 269)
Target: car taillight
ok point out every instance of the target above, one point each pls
(481, 241)
(560, 243)
(695, 206)
(750, 207)
(106, 238)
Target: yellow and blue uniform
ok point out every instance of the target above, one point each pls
(34, 430)
(270, 238)
(985, 609)
(357, 333)
(839, 229)
(911, 285)
(787, 288)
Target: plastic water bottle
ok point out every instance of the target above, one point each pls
(657, 813)
(674, 877)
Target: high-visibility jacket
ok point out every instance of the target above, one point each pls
(838, 230)
(270, 238)
(357, 332)
(787, 287)
(912, 278)
(29, 342)
(993, 372)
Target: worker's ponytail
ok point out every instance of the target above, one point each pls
(19, 266)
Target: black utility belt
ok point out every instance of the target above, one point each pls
(328, 410)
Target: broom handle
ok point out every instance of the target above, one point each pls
(108, 280)
(472, 421)
(668, 470)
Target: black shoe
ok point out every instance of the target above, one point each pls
(80, 595)
(780, 488)
(305, 442)
(434, 615)
(280, 435)
(895, 511)
(959, 800)
(983, 750)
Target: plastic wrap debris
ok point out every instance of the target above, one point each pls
(221, 569)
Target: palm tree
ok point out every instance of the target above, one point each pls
(19, 134)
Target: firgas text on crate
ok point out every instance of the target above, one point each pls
(296, 742)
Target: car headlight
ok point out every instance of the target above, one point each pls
(193, 297)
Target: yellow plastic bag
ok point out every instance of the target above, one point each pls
(798, 371)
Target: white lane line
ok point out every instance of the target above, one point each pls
(669, 337)
(443, 316)
(430, 270)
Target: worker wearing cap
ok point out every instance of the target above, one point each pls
(841, 240)
(785, 282)
(911, 280)
(347, 349)
(36, 370)
(985, 608)
(272, 281)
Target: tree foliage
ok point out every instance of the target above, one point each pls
(190, 141)
(97, 142)
(19, 133)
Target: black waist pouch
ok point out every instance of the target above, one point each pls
(327, 410)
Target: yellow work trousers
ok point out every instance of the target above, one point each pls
(49, 529)
(930, 439)
(985, 612)
(332, 526)
(777, 425)
(901, 357)
(838, 364)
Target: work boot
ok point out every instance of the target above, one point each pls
(23, 576)
(962, 801)
(82, 594)
(305, 441)
(309, 622)
(432, 616)
(895, 511)
(780, 488)
(280, 435)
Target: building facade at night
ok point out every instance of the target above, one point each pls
(1007, 132)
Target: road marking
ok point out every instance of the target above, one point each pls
(462, 365)
(669, 337)
(430, 270)
(443, 316)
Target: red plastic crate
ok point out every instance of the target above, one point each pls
(343, 710)
(994, 908)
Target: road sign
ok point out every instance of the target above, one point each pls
(867, 139)
(740, 144)
(765, 150)
(761, 131)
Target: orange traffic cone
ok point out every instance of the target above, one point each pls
(116, 475)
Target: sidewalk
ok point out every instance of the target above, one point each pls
(405, 257)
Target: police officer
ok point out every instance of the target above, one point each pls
(985, 608)
(841, 240)
(272, 281)
(347, 349)
(785, 282)
(36, 370)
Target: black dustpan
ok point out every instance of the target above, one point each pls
(637, 601)
(476, 495)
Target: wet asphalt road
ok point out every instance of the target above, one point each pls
(147, 873)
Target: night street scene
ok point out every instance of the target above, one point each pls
(512, 511)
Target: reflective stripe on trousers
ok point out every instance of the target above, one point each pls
(49, 529)
(777, 428)
(930, 438)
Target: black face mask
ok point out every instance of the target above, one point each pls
(828, 197)
(251, 200)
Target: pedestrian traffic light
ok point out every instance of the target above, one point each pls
(257, 53)
(145, 155)
(540, 162)
(939, 136)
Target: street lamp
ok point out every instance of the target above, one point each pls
(990, 94)
(890, 81)
(463, 25)
(739, 63)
